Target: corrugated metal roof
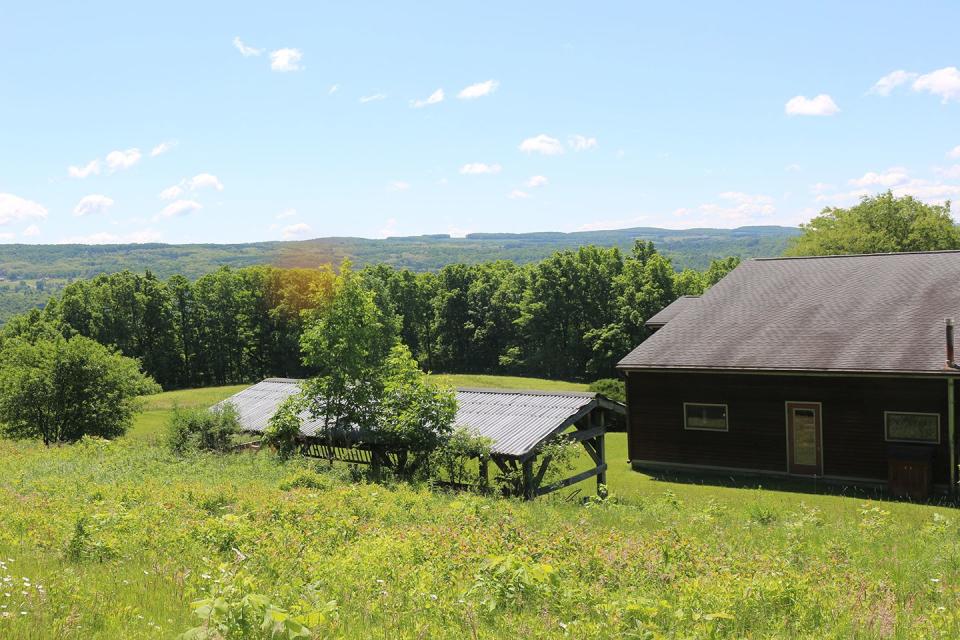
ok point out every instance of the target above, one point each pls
(671, 311)
(516, 421)
(864, 313)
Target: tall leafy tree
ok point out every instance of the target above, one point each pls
(878, 224)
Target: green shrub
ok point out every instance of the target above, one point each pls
(203, 430)
(611, 388)
(283, 430)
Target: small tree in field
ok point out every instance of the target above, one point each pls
(60, 389)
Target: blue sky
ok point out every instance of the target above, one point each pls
(236, 122)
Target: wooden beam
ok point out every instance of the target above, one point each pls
(584, 434)
(589, 473)
(543, 471)
(529, 491)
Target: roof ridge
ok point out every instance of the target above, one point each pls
(528, 392)
(855, 255)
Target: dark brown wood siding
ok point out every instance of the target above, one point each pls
(853, 440)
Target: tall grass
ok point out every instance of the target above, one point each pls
(109, 540)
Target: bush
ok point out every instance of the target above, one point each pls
(203, 430)
(611, 388)
(60, 390)
(283, 430)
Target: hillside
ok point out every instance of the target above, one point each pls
(29, 274)
(120, 539)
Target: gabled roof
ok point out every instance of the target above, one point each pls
(861, 313)
(671, 311)
(516, 421)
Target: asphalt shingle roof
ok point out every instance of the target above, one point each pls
(516, 421)
(671, 311)
(865, 313)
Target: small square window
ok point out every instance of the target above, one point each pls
(902, 426)
(705, 417)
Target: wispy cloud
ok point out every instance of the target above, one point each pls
(245, 49)
(537, 181)
(518, 194)
(285, 60)
(822, 105)
(118, 160)
(398, 185)
(373, 98)
(92, 204)
(333, 89)
(298, 230)
(954, 153)
(286, 213)
(389, 228)
(137, 237)
(578, 142)
(888, 178)
(205, 181)
(15, 209)
(542, 144)
(180, 208)
(162, 148)
(32, 231)
(885, 85)
(434, 98)
(89, 169)
(171, 193)
(478, 90)
(476, 168)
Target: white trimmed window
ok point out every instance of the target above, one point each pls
(904, 426)
(698, 416)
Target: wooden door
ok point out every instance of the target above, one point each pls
(803, 438)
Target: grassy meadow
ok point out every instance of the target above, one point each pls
(118, 539)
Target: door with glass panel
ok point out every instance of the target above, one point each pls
(803, 438)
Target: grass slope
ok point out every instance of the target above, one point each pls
(662, 559)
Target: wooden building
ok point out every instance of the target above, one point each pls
(837, 367)
(517, 424)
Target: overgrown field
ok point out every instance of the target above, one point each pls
(116, 540)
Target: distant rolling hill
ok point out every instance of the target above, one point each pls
(29, 274)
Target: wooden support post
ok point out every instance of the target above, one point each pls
(528, 488)
(602, 476)
(484, 473)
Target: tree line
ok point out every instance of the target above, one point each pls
(570, 316)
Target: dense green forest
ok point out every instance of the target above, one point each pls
(570, 316)
(29, 274)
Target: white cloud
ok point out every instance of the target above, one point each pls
(542, 144)
(89, 169)
(286, 213)
(298, 230)
(578, 142)
(5, 237)
(888, 178)
(475, 168)
(92, 204)
(246, 50)
(389, 229)
(822, 105)
(537, 181)
(333, 89)
(434, 98)
(180, 208)
(478, 90)
(821, 187)
(162, 148)
(737, 208)
(954, 153)
(373, 98)
(517, 194)
(792, 168)
(399, 185)
(15, 209)
(171, 193)
(952, 172)
(137, 237)
(928, 190)
(942, 82)
(284, 60)
(204, 180)
(891, 81)
(117, 160)
(31, 231)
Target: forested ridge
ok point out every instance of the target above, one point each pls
(30, 274)
(570, 316)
